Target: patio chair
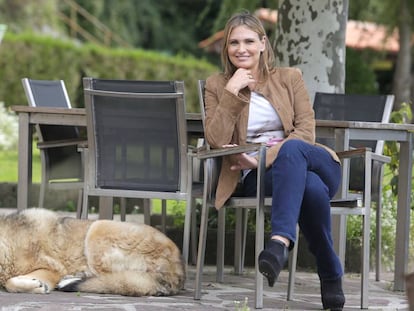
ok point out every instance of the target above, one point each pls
(340, 206)
(211, 163)
(61, 162)
(137, 142)
(357, 107)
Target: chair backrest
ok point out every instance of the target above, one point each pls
(62, 162)
(355, 107)
(201, 85)
(136, 134)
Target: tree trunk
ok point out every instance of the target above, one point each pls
(310, 35)
(402, 75)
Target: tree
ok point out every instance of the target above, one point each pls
(398, 16)
(23, 15)
(403, 75)
(311, 36)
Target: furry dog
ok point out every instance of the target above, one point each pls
(40, 251)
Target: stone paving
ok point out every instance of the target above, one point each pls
(217, 296)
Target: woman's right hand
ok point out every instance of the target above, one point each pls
(240, 79)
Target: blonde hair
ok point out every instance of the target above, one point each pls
(267, 58)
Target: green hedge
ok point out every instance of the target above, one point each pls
(40, 57)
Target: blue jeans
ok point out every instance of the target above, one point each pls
(301, 181)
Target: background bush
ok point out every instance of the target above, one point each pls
(40, 57)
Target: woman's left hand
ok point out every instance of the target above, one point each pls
(244, 161)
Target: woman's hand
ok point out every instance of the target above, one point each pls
(240, 79)
(243, 160)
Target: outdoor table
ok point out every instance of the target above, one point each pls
(342, 131)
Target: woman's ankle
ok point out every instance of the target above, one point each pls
(282, 239)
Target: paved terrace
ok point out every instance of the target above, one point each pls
(217, 296)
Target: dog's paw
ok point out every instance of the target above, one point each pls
(24, 284)
(69, 283)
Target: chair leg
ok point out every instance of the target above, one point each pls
(244, 238)
(163, 215)
(365, 263)
(378, 240)
(147, 211)
(106, 208)
(293, 259)
(221, 237)
(378, 231)
(84, 207)
(187, 228)
(194, 234)
(201, 250)
(259, 241)
(42, 193)
(79, 205)
(122, 203)
(238, 241)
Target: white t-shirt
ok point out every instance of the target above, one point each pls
(264, 125)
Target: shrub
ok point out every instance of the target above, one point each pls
(8, 129)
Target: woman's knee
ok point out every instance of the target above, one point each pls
(292, 145)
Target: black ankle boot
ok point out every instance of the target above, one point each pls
(272, 260)
(332, 295)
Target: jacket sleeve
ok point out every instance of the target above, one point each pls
(222, 110)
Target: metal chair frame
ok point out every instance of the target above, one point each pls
(384, 104)
(183, 192)
(53, 93)
(339, 206)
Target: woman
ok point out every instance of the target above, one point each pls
(253, 101)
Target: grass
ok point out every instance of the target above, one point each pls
(9, 169)
(9, 173)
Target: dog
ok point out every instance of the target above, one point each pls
(40, 252)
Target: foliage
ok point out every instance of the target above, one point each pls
(391, 148)
(242, 306)
(360, 78)
(229, 7)
(22, 15)
(8, 129)
(169, 26)
(42, 57)
(175, 208)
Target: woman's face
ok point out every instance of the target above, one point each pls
(244, 48)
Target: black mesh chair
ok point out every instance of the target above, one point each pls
(61, 162)
(137, 142)
(356, 107)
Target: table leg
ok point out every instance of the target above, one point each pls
(24, 161)
(403, 213)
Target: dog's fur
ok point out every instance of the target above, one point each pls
(40, 251)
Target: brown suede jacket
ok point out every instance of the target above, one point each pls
(227, 116)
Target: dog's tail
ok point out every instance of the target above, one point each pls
(127, 283)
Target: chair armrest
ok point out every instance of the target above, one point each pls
(204, 153)
(360, 152)
(61, 143)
